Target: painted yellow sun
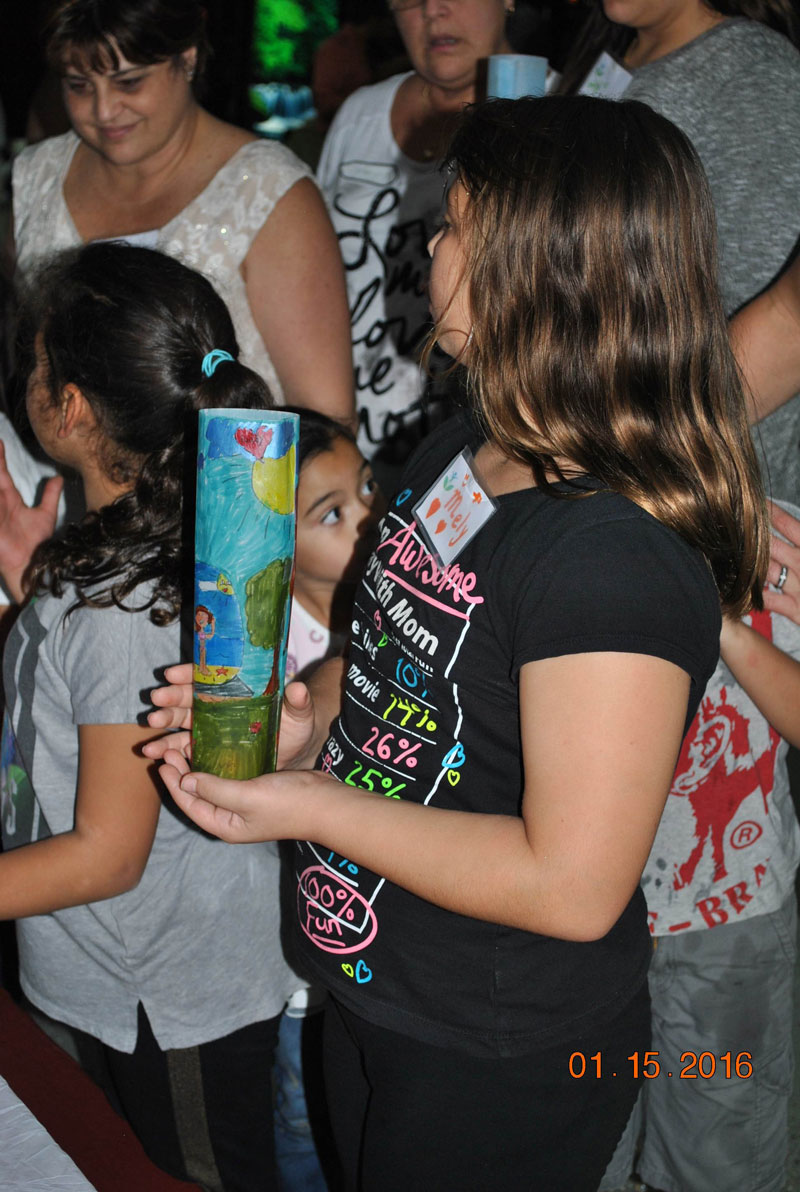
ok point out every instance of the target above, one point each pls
(273, 482)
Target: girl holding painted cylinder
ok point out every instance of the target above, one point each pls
(532, 637)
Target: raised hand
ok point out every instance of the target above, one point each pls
(22, 528)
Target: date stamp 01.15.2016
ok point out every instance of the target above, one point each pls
(649, 1064)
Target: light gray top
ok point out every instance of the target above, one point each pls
(197, 941)
(735, 92)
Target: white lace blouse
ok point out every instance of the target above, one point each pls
(212, 234)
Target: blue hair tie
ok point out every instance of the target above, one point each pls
(212, 359)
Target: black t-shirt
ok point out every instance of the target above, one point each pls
(431, 713)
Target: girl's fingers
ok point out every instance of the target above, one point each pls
(178, 692)
(187, 792)
(158, 748)
(297, 724)
(168, 718)
(51, 496)
(173, 702)
(785, 523)
(180, 673)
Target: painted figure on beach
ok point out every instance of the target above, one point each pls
(204, 629)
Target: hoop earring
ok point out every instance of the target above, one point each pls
(189, 74)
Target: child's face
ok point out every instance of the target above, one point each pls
(201, 618)
(338, 509)
(447, 288)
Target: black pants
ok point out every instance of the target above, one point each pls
(201, 1113)
(407, 1115)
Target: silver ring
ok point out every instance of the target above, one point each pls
(782, 577)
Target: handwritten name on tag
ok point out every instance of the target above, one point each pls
(454, 509)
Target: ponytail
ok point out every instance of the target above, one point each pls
(131, 329)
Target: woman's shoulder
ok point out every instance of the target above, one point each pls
(752, 40)
(736, 50)
(42, 165)
(243, 191)
(372, 102)
(52, 152)
(264, 158)
(258, 167)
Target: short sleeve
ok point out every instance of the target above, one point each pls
(110, 659)
(628, 585)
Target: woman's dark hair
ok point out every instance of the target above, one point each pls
(93, 33)
(130, 327)
(598, 33)
(598, 337)
(317, 433)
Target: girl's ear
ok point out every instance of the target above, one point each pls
(76, 412)
(189, 63)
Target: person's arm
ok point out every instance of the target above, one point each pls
(296, 290)
(765, 336)
(601, 734)
(116, 813)
(770, 676)
(23, 528)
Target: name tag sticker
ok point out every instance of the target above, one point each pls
(607, 79)
(453, 509)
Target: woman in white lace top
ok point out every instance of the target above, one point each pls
(146, 163)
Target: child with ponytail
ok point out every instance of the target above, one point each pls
(158, 945)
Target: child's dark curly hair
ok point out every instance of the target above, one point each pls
(129, 328)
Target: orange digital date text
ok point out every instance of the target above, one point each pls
(650, 1065)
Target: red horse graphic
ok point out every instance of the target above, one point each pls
(716, 771)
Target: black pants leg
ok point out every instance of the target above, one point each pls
(203, 1113)
(409, 1115)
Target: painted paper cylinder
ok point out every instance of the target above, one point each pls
(244, 553)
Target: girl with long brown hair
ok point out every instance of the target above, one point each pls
(531, 639)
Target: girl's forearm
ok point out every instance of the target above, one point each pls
(483, 866)
(477, 865)
(64, 870)
(769, 676)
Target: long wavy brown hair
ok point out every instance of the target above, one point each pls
(599, 345)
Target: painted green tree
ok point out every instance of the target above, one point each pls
(286, 33)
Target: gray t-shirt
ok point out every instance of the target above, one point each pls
(735, 92)
(197, 941)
